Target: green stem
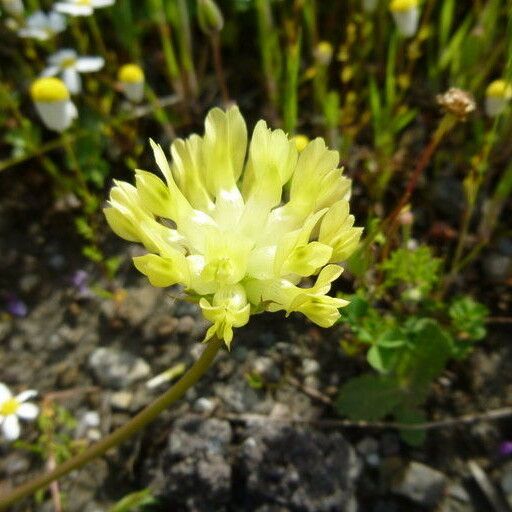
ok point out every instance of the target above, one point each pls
(219, 70)
(123, 433)
(96, 33)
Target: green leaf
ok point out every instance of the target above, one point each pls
(413, 437)
(468, 319)
(431, 350)
(369, 397)
(133, 501)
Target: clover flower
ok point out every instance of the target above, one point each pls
(239, 224)
(51, 99)
(43, 26)
(406, 14)
(497, 97)
(131, 78)
(14, 407)
(81, 7)
(67, 64)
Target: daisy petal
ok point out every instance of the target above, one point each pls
(73, 9)
(98, 4)
(11, 428)
(50, 71)
(5, 393)
(26, 395)
(27, 411)
(89, 64)
(72, 80)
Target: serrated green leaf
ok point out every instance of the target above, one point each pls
(369, 398)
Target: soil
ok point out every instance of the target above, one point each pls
(211, 452)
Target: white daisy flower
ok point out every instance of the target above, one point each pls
(406, 14)
(14, 407)
(68, 65)
(43, 26)
(81, 7)
(131, 78)
(497, 96)
(51, 99)
(13, 7)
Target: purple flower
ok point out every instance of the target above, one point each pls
(505, 448)
(15, 306)
(79, 279)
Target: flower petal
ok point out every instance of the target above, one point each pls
(11, 428)
(27, 411)
(73, 9)
(98, 4)
(26, 395)
(89, 64)
(5, 393)
(72, 80)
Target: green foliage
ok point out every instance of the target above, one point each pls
(468, 324)
(415, 270)
(133, 502)
(409, 342)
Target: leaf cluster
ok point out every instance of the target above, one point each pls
(407, 347)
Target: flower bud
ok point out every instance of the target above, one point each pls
(406, 14)
(51, 99)
(323, 53)
(209, 16)
(497, 96)
(131, 78)
(301, 141)
(457, 102)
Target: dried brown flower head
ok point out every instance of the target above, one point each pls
(457, 102)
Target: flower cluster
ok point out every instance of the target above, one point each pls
(52, 96)
(240, 224)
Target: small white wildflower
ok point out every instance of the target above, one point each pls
(43, 26)
(406, 14)
(68, 65)
(13, 7)
(497, 96)
(81, 7)
(51, 99)
(131, 78)
(14, 407)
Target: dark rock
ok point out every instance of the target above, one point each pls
(196, 468)
(285, 468)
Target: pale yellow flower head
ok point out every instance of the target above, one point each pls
(249, 220)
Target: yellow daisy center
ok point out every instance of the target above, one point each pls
(48, 89)
(403, 5)
(67, 62)
(9, 407)
(499, 89)
(130, 73)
